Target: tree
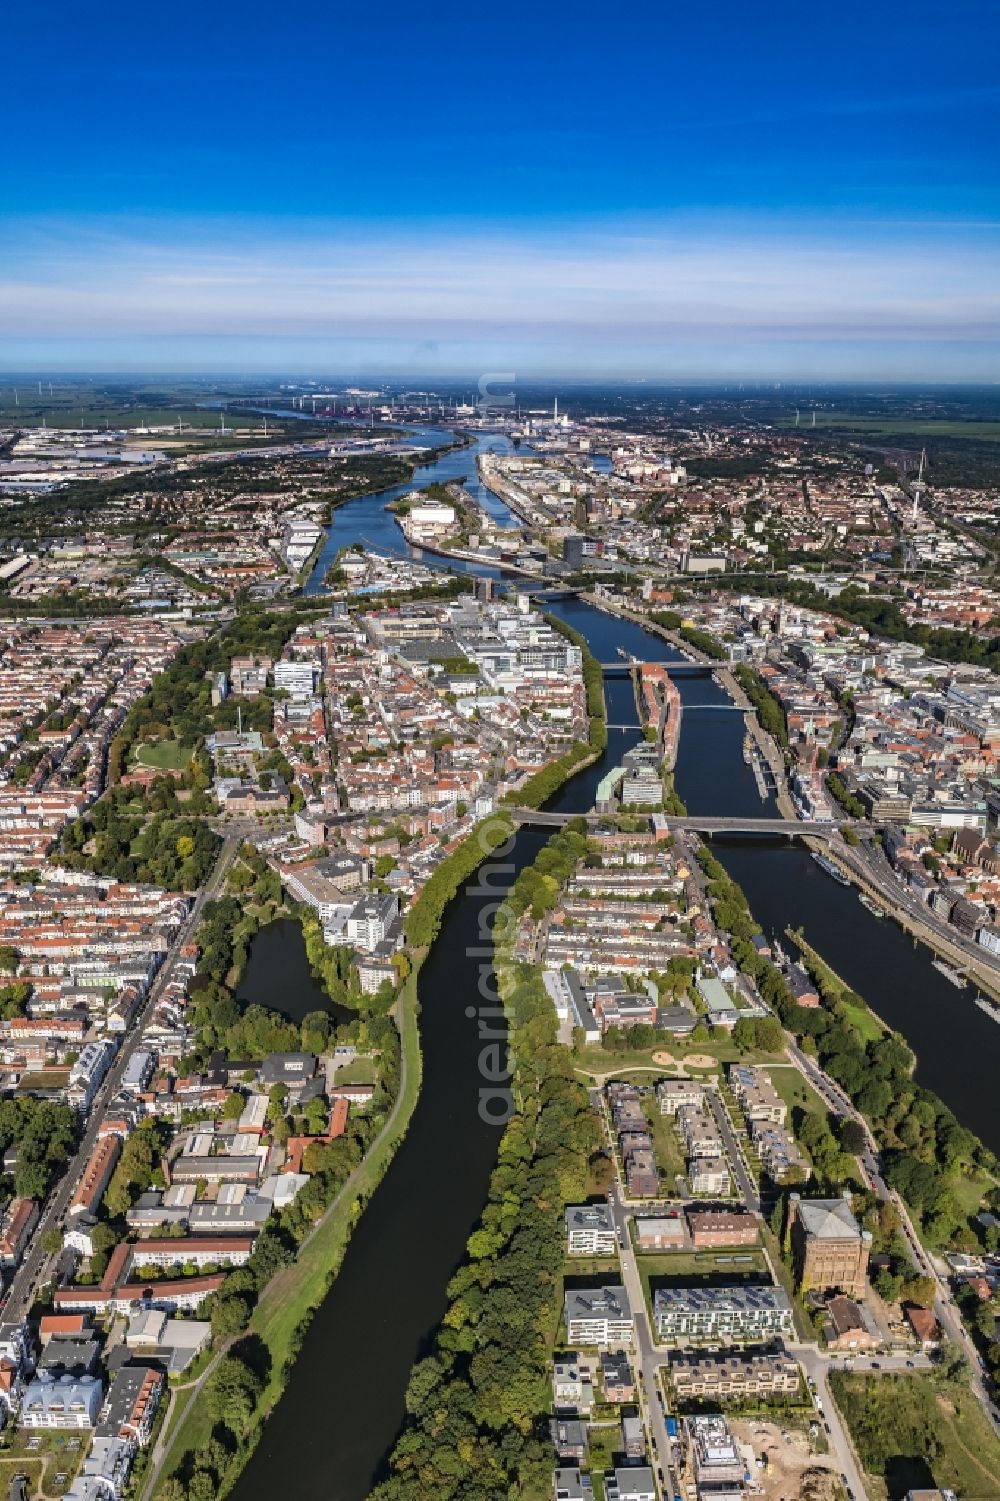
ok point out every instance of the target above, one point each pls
(745, 1034)
(853, 1138)
(232, 1394)
(203, 1486)
(986, 1318)
(31, 1180)
(230, 1315)
(233, 1107)
(770, 1036)
(52, 1241)
(920, 1290)
(271, 1252)
(602, 1171)
(103, 1238)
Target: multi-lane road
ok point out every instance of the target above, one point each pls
(36, 1266)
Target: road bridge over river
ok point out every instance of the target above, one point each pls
(672, 669)
(697, 823)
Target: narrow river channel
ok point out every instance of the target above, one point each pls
(330, 1435)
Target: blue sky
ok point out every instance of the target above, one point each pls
(655, 190)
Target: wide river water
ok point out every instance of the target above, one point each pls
(330, 1434)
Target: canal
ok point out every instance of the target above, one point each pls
(331, 1433)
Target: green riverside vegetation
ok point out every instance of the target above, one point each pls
(475, 1406)
(769, 711)
(934, 1162)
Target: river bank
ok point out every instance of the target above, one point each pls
(287, 1305)
(293, 1320)
(862, 878)
(390, 1293)
(504, 1296)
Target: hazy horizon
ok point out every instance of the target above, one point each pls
(730, 194)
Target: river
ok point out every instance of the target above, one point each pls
(330, 1434)
(366, 519)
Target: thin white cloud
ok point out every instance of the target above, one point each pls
(635, 288)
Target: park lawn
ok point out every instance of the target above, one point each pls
(298, 1290)
(915, 1432)
(797, 1092)
(164, 755)
(599, 1060)
(869, 1028)
(969, 1190)
(360, 1071)
(635, 1066)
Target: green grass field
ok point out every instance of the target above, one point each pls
(929, 427)
(361, 1071)
(129, 416)
(869, 1027)
(968, 1190)
(165, 755)
(796, 1092)
(915, 1432)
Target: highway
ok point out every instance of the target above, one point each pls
(35, 1269)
